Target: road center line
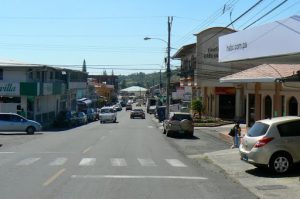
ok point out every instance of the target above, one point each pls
(87, 150)
(136, 177)
(54, 177)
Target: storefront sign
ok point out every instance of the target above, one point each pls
(224, 91)
(9, 89)
(212, 53)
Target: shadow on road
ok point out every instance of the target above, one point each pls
(267, 173)
(182, 136)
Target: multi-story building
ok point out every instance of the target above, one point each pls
(40, 90)
(201, 70)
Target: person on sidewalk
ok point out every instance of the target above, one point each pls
(235, 133)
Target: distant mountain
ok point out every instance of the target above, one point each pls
(145, 80)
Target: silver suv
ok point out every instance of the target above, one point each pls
(274, 143)
(179, 122)
(15, 122)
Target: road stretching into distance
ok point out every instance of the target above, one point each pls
(130, 159)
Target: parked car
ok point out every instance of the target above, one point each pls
(272, 143)
(81, 118)
(15, 122)
(107, 114)
(137, 113)
(179, 122)
(117, 107)
(128, 107)
(91, 114)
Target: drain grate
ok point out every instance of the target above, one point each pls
(271, 187)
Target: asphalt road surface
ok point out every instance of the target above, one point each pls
(129, 159)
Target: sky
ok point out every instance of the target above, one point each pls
(109, 34)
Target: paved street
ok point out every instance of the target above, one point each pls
(129, 159)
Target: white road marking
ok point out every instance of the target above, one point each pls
(27, 161)
(87, 162)
(118, 162)
(146, 162)
(7, 152)
(137, 177)
(175, 163)
(58, 162)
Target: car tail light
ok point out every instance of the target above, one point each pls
(262, 142)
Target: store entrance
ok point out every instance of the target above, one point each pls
(226, 106)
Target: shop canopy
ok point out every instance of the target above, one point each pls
(134, 89)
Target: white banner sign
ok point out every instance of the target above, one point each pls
(273, 39)
(9, 89)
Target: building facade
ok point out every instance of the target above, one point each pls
(40, 90)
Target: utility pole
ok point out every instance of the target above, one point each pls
(170, 20)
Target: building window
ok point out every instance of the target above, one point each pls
(38, 75)
(268, 107)
(293, 106)
(1, 74)
(51, 75)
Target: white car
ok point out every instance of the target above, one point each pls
(15, 122)
(107, 114)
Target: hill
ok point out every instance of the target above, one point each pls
(145, 80)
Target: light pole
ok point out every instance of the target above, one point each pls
(168, 71)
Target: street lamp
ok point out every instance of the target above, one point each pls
(170, 19)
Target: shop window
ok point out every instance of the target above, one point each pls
(293, 106)
(268, 107)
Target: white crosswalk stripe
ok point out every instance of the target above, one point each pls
(175, 163)
(118, 162)
(115, 162)
(87, 162)
(58, 162)
(146, 162)
(27, 161)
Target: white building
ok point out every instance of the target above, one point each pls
(40, 90)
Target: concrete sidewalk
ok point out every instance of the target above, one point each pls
(262, 183)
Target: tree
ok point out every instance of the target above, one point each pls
(197, 106)
(124, 84)
(84, 66)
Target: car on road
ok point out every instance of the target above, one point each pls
(15, 122)
(91, 114)
(81, 118)
(107, 114)
(117, 107)
(272, 143)
(137, 113)
(128, 107)
(179, 122)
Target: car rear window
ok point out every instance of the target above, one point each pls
(289, 129)
(107, 111)
(258, 129)
(180, 117)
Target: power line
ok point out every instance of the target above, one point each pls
(266, 14)
(209, 20)
(252, 7)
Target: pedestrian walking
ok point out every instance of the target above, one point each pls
(235, 133)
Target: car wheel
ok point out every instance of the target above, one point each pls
(280, 163)
(168, 133)
(30, 130)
